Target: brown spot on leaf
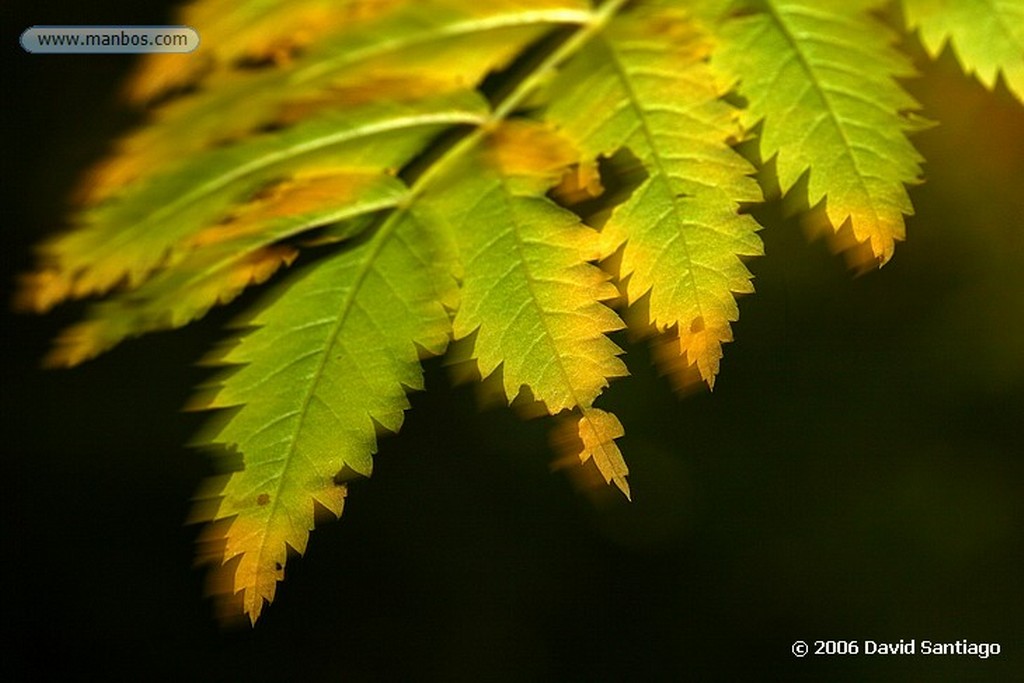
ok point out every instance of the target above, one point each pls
(304, 195)
(263, 499)
(526, 149)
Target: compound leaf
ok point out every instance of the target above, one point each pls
(462, 170)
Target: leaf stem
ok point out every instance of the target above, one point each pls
(523, 90)
(450, 158)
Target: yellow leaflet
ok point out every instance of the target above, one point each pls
(598, 430)
(529, 294)
(528, 290)
(262, 542)
(680, 232)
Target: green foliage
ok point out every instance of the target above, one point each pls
(498, 174)
(825, 71)
(986, 35)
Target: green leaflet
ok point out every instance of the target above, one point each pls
(530, 294)
(528, 291)
(819, 77)
(632, 90)
(986, 35)
(332, 354)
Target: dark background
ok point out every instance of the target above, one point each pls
(857, 473)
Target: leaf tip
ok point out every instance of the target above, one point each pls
(690, 355)
(623, 485)
(591, 437)
(40, 291)
(75, 345)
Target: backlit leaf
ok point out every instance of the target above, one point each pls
(820, 79)
(987, 36)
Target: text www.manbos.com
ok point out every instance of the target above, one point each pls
(108, 39)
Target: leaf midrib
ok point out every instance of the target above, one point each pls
(378, 241)
(455, 29)
(542, 314)
(662, 173)
(823, 96)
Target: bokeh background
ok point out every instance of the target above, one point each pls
(857, 473)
